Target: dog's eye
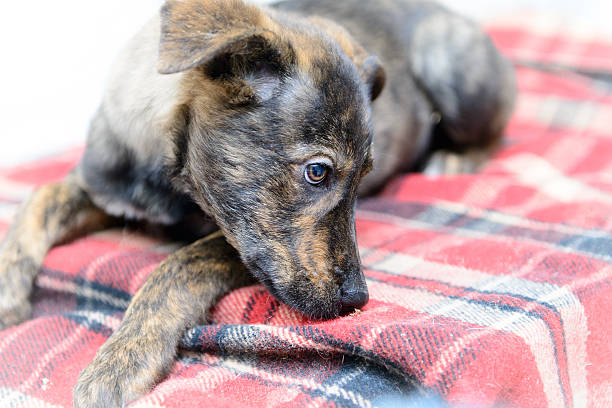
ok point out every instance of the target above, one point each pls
(315, 173)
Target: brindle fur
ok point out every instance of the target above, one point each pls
(212, 113)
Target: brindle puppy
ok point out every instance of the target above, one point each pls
(258, 122)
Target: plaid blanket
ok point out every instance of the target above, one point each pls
(486, 290)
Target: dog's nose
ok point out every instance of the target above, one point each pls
(353, 295)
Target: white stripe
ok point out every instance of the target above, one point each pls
(14, 190)
(601, 120)
(285, 333)
(102, 319)
(59, 285)
(230, 308)
(286, 316)
(536, 21)
(92, 268)
(7, 211)
(537, 173)
(484, 191)
(12, 398)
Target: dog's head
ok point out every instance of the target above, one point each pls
(273, 137)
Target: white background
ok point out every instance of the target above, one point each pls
(55, 56)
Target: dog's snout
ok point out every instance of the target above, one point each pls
(353, 294)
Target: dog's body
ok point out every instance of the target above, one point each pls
(258, 122)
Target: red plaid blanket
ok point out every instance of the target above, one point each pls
(486, 290)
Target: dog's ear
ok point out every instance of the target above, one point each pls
(228, 39)
(370, 69)
(374, 76)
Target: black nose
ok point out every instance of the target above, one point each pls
(352, 296)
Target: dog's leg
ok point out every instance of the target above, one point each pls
(54, 213)
(176, 296)
(452, 163)
(471, 87)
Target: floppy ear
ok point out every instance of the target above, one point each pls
(374, 76)
(370, 69)
(227, 38)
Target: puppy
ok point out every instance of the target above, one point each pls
(258, 123)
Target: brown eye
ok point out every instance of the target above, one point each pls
(315, 173)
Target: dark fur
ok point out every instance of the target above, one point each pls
(261, 94)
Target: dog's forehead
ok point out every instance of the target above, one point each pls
(328, 105)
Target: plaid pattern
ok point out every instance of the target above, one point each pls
(486, 290)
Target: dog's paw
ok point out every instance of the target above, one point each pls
(97, 390)
(126, 367)
(16, 276)
(13, 313)
(446, 162)
(104, 383)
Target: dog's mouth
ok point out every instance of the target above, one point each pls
(299, 295)
(264, 279)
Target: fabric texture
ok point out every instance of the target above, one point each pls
(491, 289)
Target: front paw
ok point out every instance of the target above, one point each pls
(97, 387)
(124, 369)
(15, 286)
(13, 312)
